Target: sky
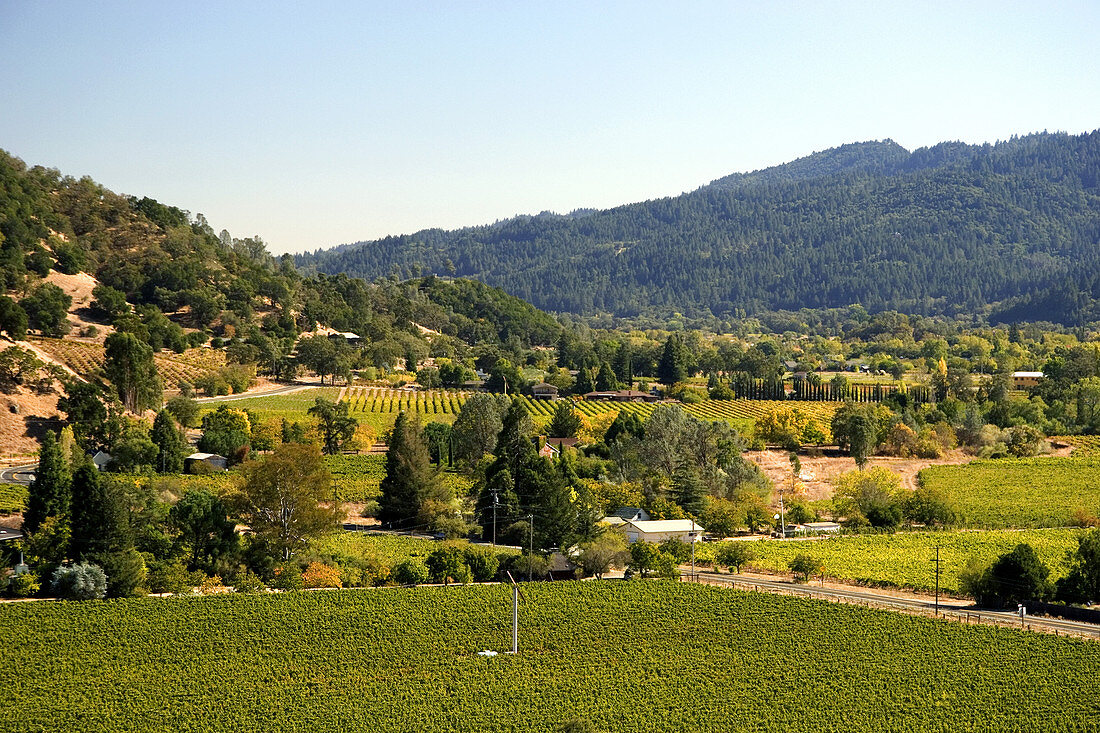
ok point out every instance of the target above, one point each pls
(315, 124)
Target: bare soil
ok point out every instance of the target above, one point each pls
(21, 426)
(79, 288)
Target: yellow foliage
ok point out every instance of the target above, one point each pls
(319, 575)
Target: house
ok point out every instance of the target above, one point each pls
(351, 338)
(549, 451)
(544, 391)
(623, 395)
(1023, 380)
(216, 462)
(831, 527)
(630, 514)
(102, 459)
(659, 530)
(560, 443)
(561, 568)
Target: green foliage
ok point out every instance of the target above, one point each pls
(447, 564)
(82, 582)
(563, 637)
(99, 516)
(870, 497)
(805, 566)
(50, 493)
(1014, 577)
(207, 534)
(410, 571)
(24, 585)
(47, 309)
(334, 426)
(1082, 583)
(130, 368)
(734, 555)
(410, 480)
(565, 423)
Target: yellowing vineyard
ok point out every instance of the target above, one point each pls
(85, 358)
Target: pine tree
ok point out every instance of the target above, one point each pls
(689, 492)
(565, 423)
(50, 492)
(100, 522)
(410, 477)
(170, 443)
(605, 379)
(674, 360)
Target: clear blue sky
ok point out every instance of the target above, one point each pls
(313, 124)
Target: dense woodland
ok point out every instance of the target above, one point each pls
(951, 229)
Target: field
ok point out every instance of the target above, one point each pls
(84, 358)
(378, 407)
(639, 656)
(13, 497)
(904, 560)
(388, 549)
(292, 405)
(1084, 446)
(1023, 492)
(358, 476)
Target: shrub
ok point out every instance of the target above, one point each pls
(24, 586)
(287, 576)
(448, 564)
(319, 575)
(249, 582)
(805, 566)
(83, 582)
(167, 576)
(410, 572)
(482, 561)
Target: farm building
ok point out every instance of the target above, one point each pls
(659, 530)
(102, 459)
(623, 395)
(216, 462)
(1023, 380)
(821, 527)
(544, 391)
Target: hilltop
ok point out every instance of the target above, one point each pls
(949, 229)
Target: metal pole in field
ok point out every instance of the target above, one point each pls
(515, 618)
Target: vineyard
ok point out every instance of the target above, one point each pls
(378, 407)
(87, 358)
(1022, 492)
(292, 405)
(904, 560)
(638, 656)
(1084, 446)
(386, 549)
(358, 477)
(13, 497)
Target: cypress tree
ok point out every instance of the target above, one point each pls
(50, 492)
(100, 522)
(170, 444)
(410, 477)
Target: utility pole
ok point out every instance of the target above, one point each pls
(496, 501)
(531, 547)
(692, 550)
(937, 563)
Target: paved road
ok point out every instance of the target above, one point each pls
(18, 474)
(950, 608)
(247, 395)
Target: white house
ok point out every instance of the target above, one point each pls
(216, 462)
(659, 530)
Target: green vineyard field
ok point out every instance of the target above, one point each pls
(86, 358)
(13, 497)
(626, 656)
(1022, 492)
(904, 560)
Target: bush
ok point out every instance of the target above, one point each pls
(83, 582)
(126, 573)
(805, 566)
(734, 555)
(410, 572)
(319, 575)
(24, 586)
(168, 576)
(287, 576)
(677, 548)
(447, 564)
(249, 582)
(482, 561)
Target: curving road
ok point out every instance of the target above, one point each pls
(18, 474)
(949, 609)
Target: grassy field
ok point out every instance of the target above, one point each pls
(292, 406)
(904, 560)
(1024, 492)
(641, 656)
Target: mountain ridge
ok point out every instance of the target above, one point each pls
(946, 229)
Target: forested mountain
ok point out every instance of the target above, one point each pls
(949, 229)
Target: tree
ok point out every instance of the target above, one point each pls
(734, 555)
(605, 378)
(644, 558)
(929, 506)
(333, 423)
(99, 517)
(85, 406)
(872, 496)
(171, 446)
(109, 302)
(438, 437)
(82, 582)
(447, 564)
(805, 566)
(47, 309)
(281, 499)
(410, 478)
(184, 409)
(688, 491)
(478, 425)
(207, 533)
(410, 571)
(129, 366)
(602, 553)
(673, 367)
(1014, 577)
(565, 423)
(13, 319)
(50, 492)
(225, 431)
(1082, 583)
(18, 365)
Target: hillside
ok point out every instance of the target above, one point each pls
(949, 229)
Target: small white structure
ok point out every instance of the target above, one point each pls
(1021, 380)
(218, 463)
(659, 530)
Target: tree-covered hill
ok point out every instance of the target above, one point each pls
(949, 229)
(167, 277)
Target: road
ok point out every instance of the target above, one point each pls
(249, 395)
(949, 609)
(18, 474)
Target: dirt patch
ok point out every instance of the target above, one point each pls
(79, 287)
(19, 427)
(815, 481)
